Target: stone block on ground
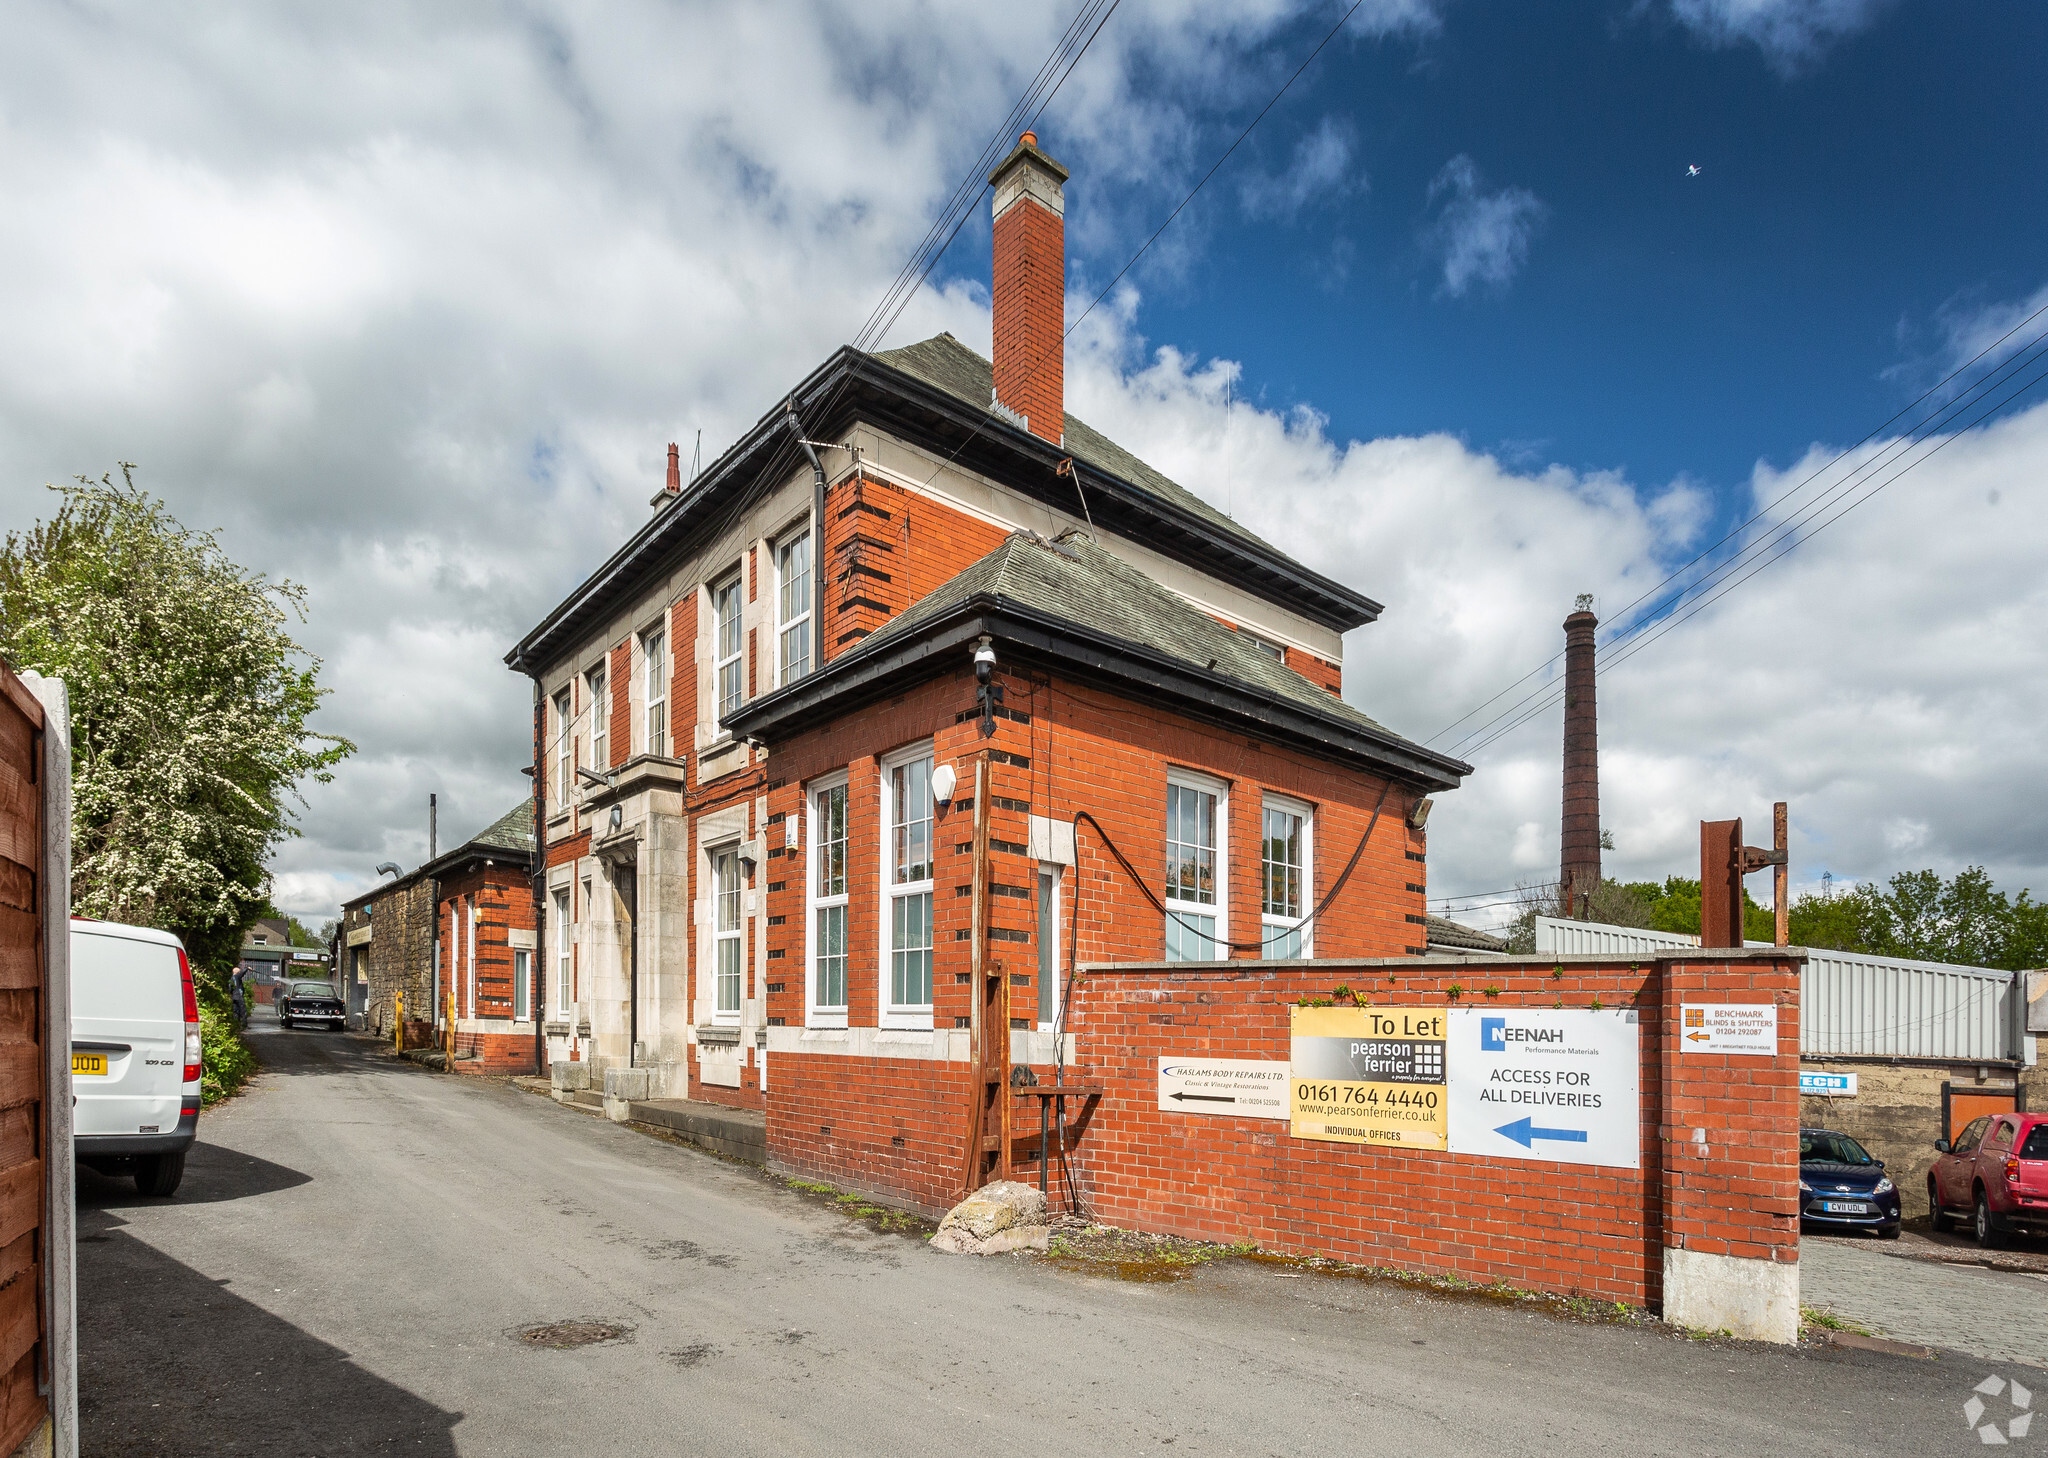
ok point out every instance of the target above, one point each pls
(629, 1084)
(997, 1218)
(570, 1077)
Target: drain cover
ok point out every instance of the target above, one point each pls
(581, 1333)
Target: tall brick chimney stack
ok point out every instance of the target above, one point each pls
(1580, 872)
(675, 469)
(1031, 287)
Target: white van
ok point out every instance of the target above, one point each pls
(134, 1053)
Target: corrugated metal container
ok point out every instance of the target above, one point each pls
(1851, 1005)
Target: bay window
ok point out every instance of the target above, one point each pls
(562, 953)
(793, 608)
(827, 883)
(1196, 874)
(1286, 880)
(726, 933)
(654, 663)
(565, 768)
(600, 721)
(731, 676)
(907, 856)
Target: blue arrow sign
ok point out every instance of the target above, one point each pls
(1525, 1134)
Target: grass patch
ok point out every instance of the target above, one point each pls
(1828, 1321)
(860, 1207)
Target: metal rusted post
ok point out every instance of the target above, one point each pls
(1781, 876)
(1720, 883)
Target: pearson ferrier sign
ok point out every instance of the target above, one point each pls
(1368, 1075)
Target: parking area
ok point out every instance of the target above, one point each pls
(1934, 1291)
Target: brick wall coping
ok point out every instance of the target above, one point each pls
(1718, 955)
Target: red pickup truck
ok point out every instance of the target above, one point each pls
(1995, 1175)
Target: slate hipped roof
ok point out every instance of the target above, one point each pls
(945, 362)
(1069, 599)
(508, 837)
(936, 395)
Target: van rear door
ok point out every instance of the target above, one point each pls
(127, 1033)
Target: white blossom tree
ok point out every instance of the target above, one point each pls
(189, 703)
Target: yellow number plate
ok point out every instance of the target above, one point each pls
(95, 1063)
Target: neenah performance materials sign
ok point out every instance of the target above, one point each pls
(1369, 1075)
(1245, 1087)
(1536, 1083)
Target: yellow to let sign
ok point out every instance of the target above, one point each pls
(1368, 1075)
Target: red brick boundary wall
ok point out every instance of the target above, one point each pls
(1707, 1229)
(1720, 1155)
(496, 1054)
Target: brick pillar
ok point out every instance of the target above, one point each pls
(1579, 868)
(1030, 287)
(1730, 1137)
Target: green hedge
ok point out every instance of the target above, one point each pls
(225, 1060)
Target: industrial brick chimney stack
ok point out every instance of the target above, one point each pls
(1579, 873)
(1030, 288)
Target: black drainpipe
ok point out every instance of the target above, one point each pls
(537, 983)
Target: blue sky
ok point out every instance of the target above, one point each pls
(1658, 324)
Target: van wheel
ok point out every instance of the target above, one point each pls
(1940, 1219)
(159, 1174)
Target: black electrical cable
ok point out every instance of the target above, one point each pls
(1782, 497)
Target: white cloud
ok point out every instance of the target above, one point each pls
(1792, 34)
(1886, 678)
(409, 304)
(1481, 236)
(1320, 172)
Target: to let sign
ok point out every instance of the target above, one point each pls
(1537, 1083)
(1742, 1028)
(1368, 1075)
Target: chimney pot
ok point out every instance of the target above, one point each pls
(675, 469)
(1030, 287)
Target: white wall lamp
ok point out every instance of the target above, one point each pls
(944, 778)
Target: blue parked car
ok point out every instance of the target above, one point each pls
(1840, 1185)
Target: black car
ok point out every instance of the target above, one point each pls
(1840, 1185)
(308, 1002)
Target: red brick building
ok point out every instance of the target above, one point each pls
(929, 747)
(485, 947)
(756, 867)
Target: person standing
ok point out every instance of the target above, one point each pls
(239, 998)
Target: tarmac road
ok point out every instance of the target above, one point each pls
(356, 1239)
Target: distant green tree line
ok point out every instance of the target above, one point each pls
(1917, 914)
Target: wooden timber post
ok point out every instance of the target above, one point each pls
(988, 1118)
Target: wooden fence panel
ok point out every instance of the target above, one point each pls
(23, 1064)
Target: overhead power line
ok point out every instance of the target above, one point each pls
(1783, 539)
(1760, 514)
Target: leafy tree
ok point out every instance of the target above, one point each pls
(189, 705)
(1919, 915)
